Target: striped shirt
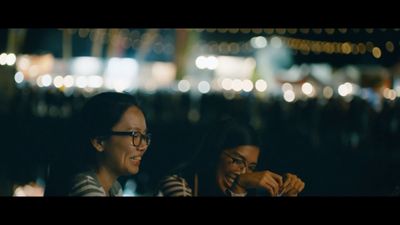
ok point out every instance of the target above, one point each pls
(86, 184)
(176, 186)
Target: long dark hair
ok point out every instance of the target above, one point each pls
(98, 116)
(225, 134)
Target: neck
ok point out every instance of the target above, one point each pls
(106, 178)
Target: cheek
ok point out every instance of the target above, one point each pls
(119, 148)
(225, 167)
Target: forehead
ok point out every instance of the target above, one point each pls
(250, 152)
(132, 118)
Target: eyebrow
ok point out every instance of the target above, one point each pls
(137, 129)
(235, 154)
(238, 155)
(243, 158)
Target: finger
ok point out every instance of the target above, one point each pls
(288, 181)
(271, 182)
(295, 188)
(299, 186)
(269, 189)
(276, 177)
(292, 179)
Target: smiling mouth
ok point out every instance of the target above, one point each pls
(136, 158)
(230, 179)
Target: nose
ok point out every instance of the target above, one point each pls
(240, 169)
(142, 147)
(243, 170)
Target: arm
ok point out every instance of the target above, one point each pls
(261, 179)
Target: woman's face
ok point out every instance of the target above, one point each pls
(236, 161)
(121, 156)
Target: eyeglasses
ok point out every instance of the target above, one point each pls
(137, 137)
(242, 163)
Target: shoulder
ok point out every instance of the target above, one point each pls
(85, 184)
(174, 186)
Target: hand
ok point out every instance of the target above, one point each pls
(292, 185)
(262, 179)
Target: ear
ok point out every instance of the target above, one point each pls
(98, 144)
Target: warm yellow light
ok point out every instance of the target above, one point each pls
(292, 31)
(369, 30)
(317, 30)
(346, 48)
(329, 31)
(389, 46)
(376, 52)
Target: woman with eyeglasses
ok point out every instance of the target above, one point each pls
(112, 141)
(225, 165)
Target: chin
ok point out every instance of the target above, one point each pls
(132, 170)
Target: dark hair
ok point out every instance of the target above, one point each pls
(98, 116)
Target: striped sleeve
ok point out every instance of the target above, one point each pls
(86, 186)
(174, 186)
